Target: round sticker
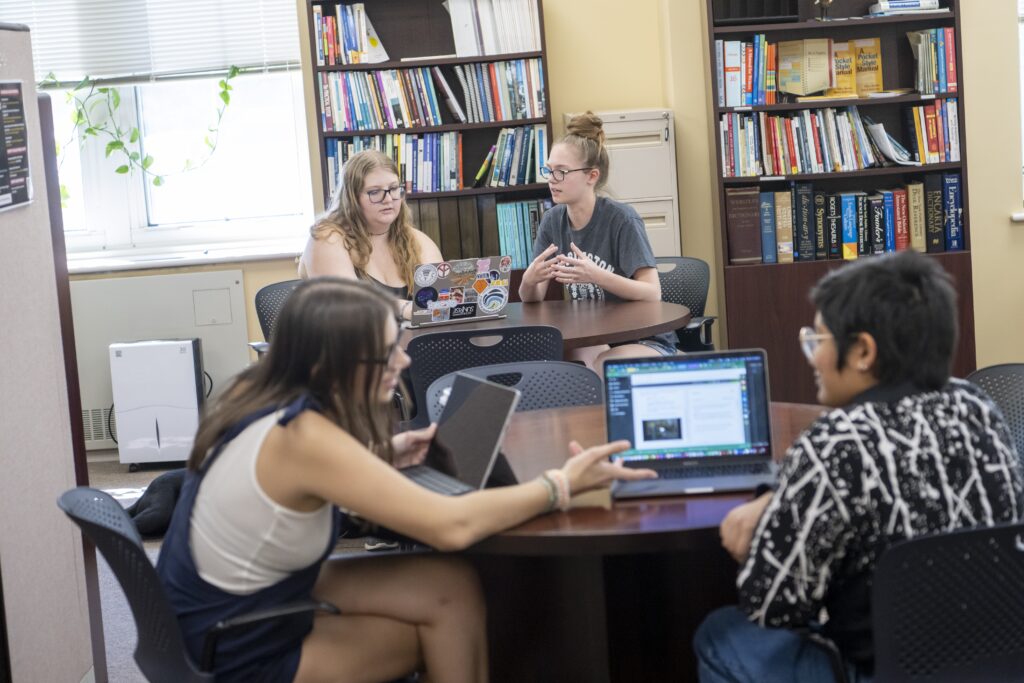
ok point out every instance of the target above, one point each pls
(443, 269)
(505, 264)
(493, 299)
(425, 275)
(425, 296)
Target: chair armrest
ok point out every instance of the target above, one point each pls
(702, 325)
(259, 347)
(227, 625)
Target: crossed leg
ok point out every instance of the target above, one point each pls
(398, 615)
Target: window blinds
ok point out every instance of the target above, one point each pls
(143, 39)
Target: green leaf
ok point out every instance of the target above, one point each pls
(188, 164)
(222, 84)
(113, 146)
(103, 91)
(208, 142)
(158, 181)
(64, 194)
(225, 96)
(121, 169)
(76, 117)
(90, 131)
(57, 148)
(84, 83)
(134, 156)
(115, 95)
(147, 162)
(232, 72)
(134, 136)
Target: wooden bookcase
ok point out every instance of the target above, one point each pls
(463, 223)
(766, 304)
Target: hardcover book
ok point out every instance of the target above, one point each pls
(935, 234)
(868, 65)
(743, 221)
(784, 226)
(804, 221)
(767, 210)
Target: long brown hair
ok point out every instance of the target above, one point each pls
(585, 133)
(327, 330)
(345, 218)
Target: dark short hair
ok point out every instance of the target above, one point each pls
(907, 302)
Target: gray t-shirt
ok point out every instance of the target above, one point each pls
(613, 239)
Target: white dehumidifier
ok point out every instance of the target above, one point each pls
(158, 393)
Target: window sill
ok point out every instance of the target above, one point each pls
(167, 257)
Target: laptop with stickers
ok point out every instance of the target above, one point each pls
(460, 290)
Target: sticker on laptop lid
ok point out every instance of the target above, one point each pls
(443, 269)
(425, 275)
(460, 311)
(425, 296)
(493, 299)
(505, 264)
(463, 267)
(483, 265)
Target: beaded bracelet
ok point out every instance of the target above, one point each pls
(552, 488)
(562, 483)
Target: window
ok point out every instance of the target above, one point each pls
(255, 185)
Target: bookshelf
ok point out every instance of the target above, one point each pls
(417, 35)
(767, 303)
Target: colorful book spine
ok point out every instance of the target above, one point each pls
(767, 212)
(889, 213)
(953, 212)
(849, 214)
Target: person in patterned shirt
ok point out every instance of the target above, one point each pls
(905, 451)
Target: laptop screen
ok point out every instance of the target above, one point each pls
(692, 406)
(470, 430)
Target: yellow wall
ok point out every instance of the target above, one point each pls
(993, 119)
(605, 54)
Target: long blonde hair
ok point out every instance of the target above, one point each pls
(585, 133)
(345, 218)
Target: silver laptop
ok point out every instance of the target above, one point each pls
(469, 434)
(701, 420)
(461, 290)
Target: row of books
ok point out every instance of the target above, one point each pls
(494, 27)
(833, 140)
(515, 158)
(429, 162)
(886, 8)
(367, 100)
(501, 91)
(346, 36)
(758, 73)
(935, 53)
(807, 224)
(517, 228)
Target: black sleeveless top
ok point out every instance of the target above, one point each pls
(400, 292)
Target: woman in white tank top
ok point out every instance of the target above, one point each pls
(262, 505)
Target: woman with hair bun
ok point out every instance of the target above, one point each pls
(594, 246)
(367, 233)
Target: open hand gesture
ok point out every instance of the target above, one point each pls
(591, 468)
(541, 269)
(581, 269)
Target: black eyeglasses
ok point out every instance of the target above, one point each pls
(558, 174)
(378, 196)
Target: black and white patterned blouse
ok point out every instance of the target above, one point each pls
(892, 465)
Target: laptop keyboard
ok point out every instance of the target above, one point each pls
(437, 482)
(707, 471)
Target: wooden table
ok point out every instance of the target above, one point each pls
(606, 595)
(583, 323)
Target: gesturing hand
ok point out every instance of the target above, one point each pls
(570, 270)
(737, 530)
(411, 447)
(591, 469)
(541, 269)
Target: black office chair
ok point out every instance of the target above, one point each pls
(160, 652)
(949, 608)
(1005, 385)
(438, 353)
(544, 384)
(685, 281)
(269, 301)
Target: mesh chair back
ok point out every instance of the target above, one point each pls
(1005, 385)
(950, 607)
(160, 652)
(269, 301)
(686, 283)
(438, 353)
(544, 384)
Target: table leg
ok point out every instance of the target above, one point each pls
(546, 618)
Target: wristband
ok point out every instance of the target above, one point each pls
(552, 488)
(562, 484)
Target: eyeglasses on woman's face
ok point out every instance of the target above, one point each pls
(558, 174)
(811, 340)
(377, 195)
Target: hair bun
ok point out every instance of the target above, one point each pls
(587, 125)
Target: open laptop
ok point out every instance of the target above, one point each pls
(469, 432)
(701, 420)
(460, 290)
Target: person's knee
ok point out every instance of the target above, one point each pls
(716, 629)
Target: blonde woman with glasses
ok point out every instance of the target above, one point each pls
(367, 233)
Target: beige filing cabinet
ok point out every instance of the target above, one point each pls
(642, 159)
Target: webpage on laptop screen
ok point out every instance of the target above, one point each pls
(688, 408)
